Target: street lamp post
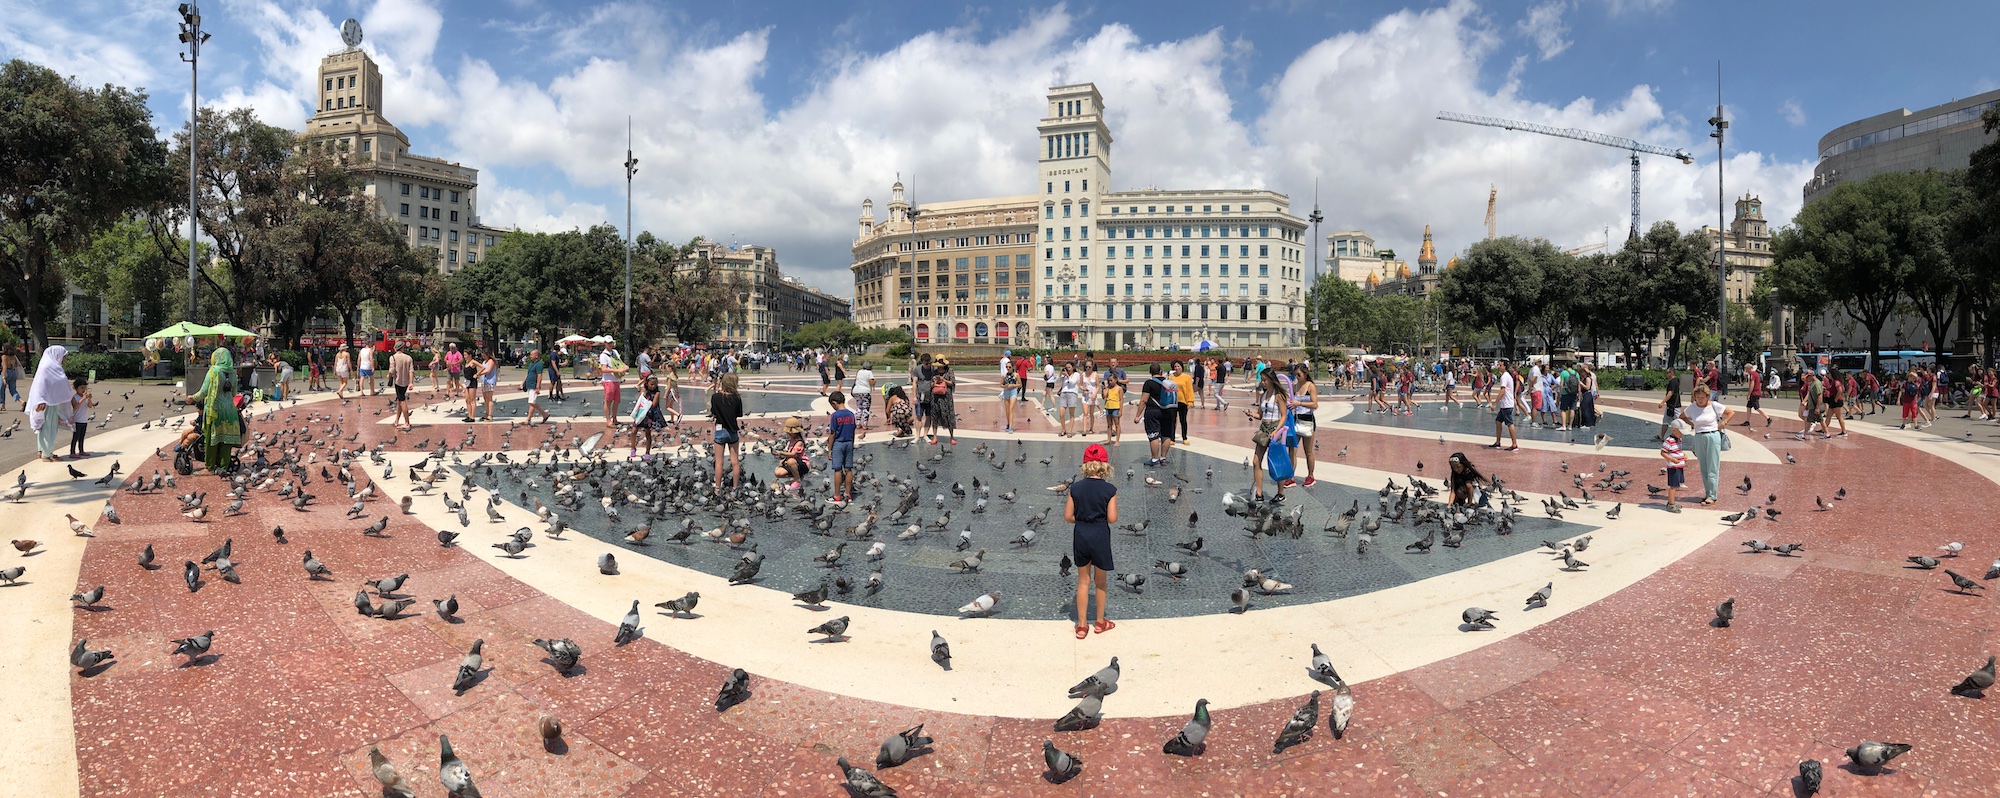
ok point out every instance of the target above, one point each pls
(1312, 308)
(1721, 232)
(631, 168)
(194, 38)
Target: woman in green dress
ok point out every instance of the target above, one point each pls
(221, 425)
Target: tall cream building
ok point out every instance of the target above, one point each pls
(436, 201)
(1105, 269)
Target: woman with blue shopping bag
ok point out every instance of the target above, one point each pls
(1273, 425)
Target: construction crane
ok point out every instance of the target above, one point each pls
(1492, 197)
(1591, 247)
(1633, 147)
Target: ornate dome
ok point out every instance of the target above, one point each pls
(1402, 271)
(1450, 263)
(1372, 280)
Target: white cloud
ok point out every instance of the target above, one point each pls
(32, 33)
(1794, 114)
(1545, 27)
(1619, 8)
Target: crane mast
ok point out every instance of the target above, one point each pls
(1633, 147)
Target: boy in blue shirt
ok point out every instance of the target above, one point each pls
(840, 440)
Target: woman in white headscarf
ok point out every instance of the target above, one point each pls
(48, 400)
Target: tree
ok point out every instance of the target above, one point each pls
(479, 287)
(1552, 313)
(1936, 286)
(1496, 285)
(242, 181)
(1342, 311)
(1746, 334)
(122, 266)
(1860, 244)
(1674, 280)
(73, 161)
(686, 292)
(1975, 233)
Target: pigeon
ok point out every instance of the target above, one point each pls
(896, 750)
(1993, 571)
(512, 547)
(550, 728)
(77, 527)
(392, 782)
(1269, 585)
(1299, 725)
(374, 530)
(835, 629)
(452, 772)
(1100, 683)
(1725, 613)
(1135, 581)
(981, 605)
(384, 587)
(940, 650)
(1871, 755)
(1745, 487)
(1540, 598)
(1322, 668)
(468, 668)
(1952, 549)
(1964, 585)
(1571, 563)
(1240, 599)
(314, 568)
(734, 689)
(25, 546)
(1809, 777)
(446, 607)
(194, 647)
(1977, 682)
(1173, 569)
(390, 610)
(1922, 562)
(628, 628)
(1190, 741)
(813, 597)
(82, 657)
(446, 538)
(1478, 618)
(89, 597)
(1343, 711)
(970, 563)
(1084, 715)
(680, 606)
(1787, 549)
(1062, 765)
(562, 653)
(607, 564)
(1600, 441)
(746, 571)
(191, 574)
(1065, 565)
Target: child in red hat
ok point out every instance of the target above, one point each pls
(1093, 507)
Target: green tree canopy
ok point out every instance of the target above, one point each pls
(1859, 246)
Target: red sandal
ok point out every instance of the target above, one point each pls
(1104, 625)
(1082, 631)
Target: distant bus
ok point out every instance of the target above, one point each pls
(1886, 359)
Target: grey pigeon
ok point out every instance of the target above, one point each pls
(392, 782)
(1083, 716)
(1190, 741)
(628, 629)
(969, 563)
(896, 750)
(734, 689)
(194, 647)
(468, 667)
(1571, 563)
(1963, 584)
(1240, 598)
(1809, 777)
(1975, 683)
(191, 574)
(607, 564)
(81, 656)
(1725, 613)
(562, 653)
(89, 597)
(1322, 668)
(835, 629)
(391, 610)
(680, 606)
(1100, 683)
(385, 587)
(1478, 618)
(362, 604)
(512, 547)
(746, 570)
(813, 597)
(1133, 581)
(1925, 563)
(1541, 597)
(940, 650)
(446, 538)
(457, 779)
(374, 530)
(1299, 726)
(1062, 764)
(1871, 755)
(446, 607)
(314, 568)
(146, 558)
(863, 783)
(1343, 711)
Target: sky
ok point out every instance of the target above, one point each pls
(770, 122)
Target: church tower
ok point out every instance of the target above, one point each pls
(1427, 259)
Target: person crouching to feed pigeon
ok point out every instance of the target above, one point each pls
(1464, 481)
(792, 463)
(1093, 507)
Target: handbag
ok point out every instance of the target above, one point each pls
(938, 386)
(1278, 460)
(640, 409)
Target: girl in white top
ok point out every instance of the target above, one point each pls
(1048, 382)
(1069, 403)
(340, 362)
(1087, 387)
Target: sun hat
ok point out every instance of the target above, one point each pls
(794, 425)
(1095, 453)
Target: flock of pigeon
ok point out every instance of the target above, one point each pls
(302, 456)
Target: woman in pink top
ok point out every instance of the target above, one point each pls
(454, 362)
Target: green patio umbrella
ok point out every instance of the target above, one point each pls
(182, 330)
(231, 331)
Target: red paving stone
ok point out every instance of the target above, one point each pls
(1632, 695)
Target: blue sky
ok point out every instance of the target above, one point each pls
(771, 121)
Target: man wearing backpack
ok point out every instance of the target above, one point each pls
(1162, 403)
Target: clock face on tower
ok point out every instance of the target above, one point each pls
(350, 32)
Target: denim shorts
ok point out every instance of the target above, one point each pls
(843, 456)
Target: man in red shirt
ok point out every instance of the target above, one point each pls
(1755, 403)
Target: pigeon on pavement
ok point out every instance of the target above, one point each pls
(1062, 764)
(1190, 741)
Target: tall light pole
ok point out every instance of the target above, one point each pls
(1721, 232)
(911, 212)
(1312, 306)
(631, 168)
(193, 37)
